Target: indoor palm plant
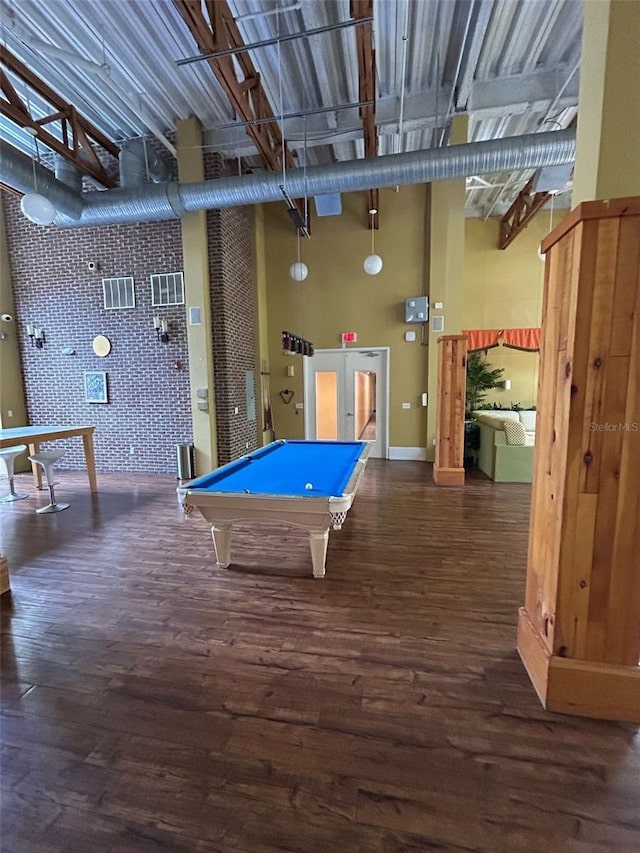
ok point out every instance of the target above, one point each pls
(481, 377)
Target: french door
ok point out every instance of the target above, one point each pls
(346, 396)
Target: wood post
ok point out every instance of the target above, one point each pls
(5, 585)
(448, 469)
(579, 631)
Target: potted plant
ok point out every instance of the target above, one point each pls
(481, 377)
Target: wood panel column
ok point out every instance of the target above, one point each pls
(445, 233)
(448, 469)
(579, 631)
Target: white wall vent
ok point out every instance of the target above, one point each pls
(167, 289)
(118, 293)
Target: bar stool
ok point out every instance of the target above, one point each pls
(8, 456)
(48, 458)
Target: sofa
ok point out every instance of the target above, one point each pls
(507, 442)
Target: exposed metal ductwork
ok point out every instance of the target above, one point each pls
(172, 200)
(139, 162)
(68, 173)
(23, 174)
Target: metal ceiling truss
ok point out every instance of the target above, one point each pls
(362, 10)
(79, 136)
(246, 95)
(521, 212)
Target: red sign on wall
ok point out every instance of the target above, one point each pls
(349, 337)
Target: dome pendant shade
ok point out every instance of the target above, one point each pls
(37, 208)
(372, 264)
(298, 271)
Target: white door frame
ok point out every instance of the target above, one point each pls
(309, 390)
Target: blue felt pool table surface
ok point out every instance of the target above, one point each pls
(285, 468)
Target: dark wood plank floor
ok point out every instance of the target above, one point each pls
(153, 702)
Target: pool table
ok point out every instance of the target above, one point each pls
(309, 484)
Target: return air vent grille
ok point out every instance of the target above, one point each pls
(118, 293)
(167, 289)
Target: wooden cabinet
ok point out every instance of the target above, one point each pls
(579, 631)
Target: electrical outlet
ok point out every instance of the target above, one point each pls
(132, 450)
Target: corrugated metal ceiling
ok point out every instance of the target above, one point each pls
(511, 65)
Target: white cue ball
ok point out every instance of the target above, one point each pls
(309, 486)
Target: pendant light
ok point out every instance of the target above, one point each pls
(298, 271)
(372, 263)
(33, 205)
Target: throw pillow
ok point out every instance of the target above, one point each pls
(514, 431)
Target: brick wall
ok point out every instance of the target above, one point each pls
(233, 309)
(148, 407)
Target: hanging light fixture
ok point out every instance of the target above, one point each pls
(35, 206)
(372, 263)
(298, 271)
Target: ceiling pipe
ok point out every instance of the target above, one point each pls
(25, 175)
(172, 200)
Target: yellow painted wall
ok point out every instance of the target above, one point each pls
(339, 296)
(503, 289)
(12, 407)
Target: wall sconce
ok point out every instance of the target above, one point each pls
(37, 336)
(162, 329)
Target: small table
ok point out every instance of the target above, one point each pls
(309, 484)
(34, 435)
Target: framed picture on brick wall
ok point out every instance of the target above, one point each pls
(95, 386)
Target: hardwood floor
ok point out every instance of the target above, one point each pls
(154, 702)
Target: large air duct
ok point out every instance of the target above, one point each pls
(137, 160)
(23, 174)
(172, 200)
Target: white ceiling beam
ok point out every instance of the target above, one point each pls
(513, 95)
(470, 61)
(422, 111)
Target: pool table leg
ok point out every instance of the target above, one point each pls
(221, 534)
(318, 542)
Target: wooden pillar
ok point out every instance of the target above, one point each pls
(579, 631)
(5, 585)
(448, 469)
(445, 232)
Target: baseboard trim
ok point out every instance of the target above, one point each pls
(408, 454)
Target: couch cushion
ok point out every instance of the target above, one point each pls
(495, 414)
(527, 418)
(514, 432)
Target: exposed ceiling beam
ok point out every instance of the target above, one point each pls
(470, 60)
(363, 10)
(516, 94)
(245, 92)
(244, 48)
(79, 136)
(531, 92)
(521, 212)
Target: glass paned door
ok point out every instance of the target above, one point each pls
(346, 396)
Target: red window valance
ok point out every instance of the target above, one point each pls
(483, 339)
